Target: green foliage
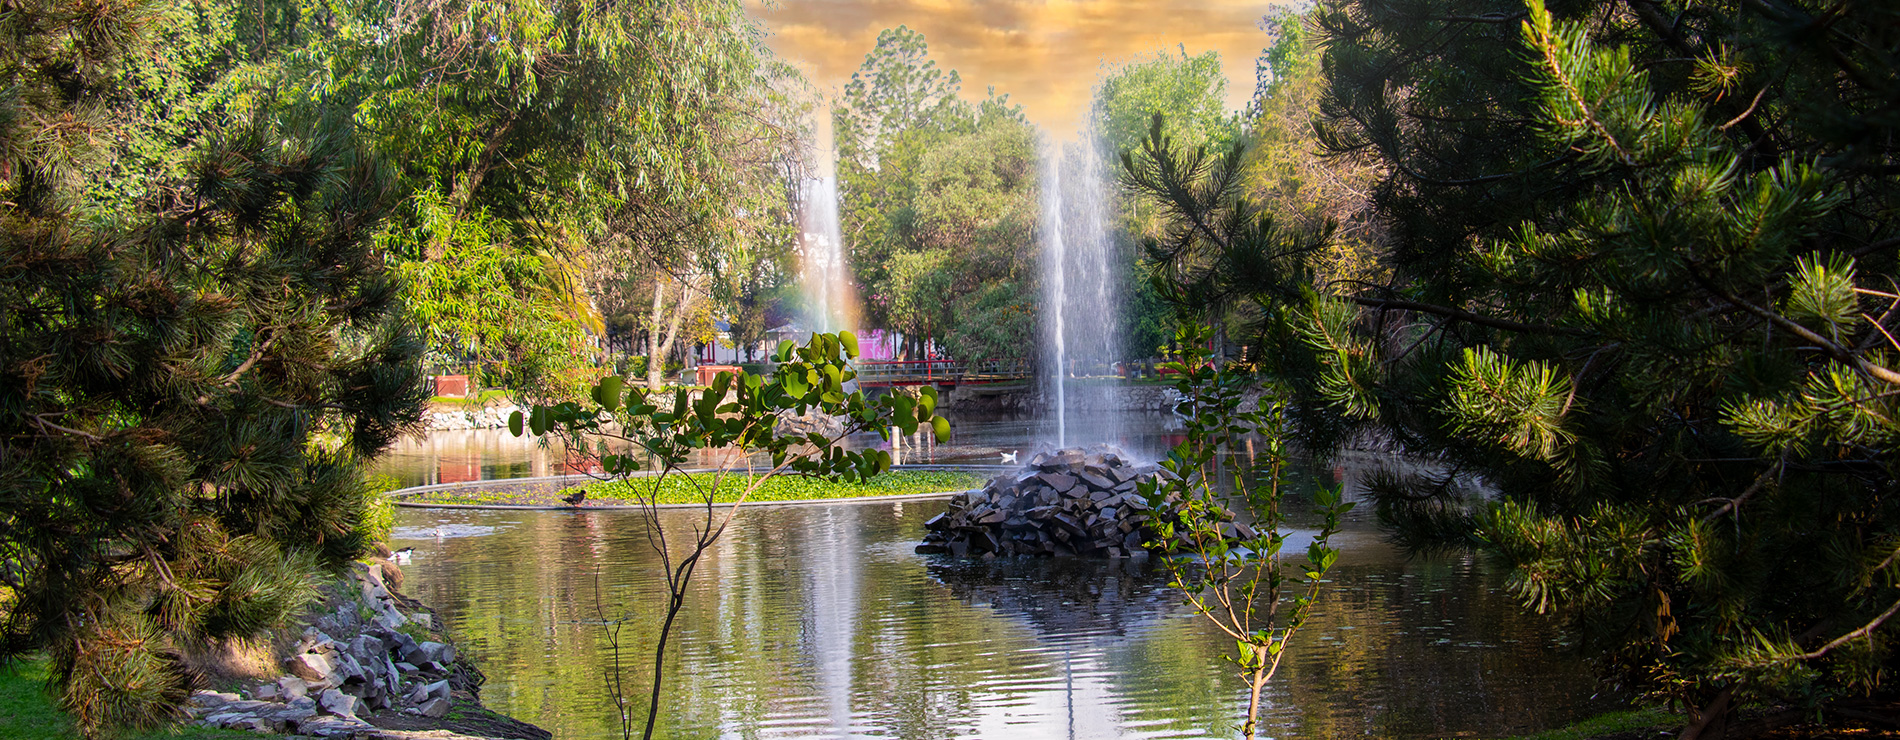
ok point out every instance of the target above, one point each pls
(196, 358)
(379, 512)
(1639, 286)
(938, 199)
(552, 157)
(1190, 91)
(1228, 571)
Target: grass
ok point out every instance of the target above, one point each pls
(27, 712)
(681, 488)
(1606, 724)
(477, 401)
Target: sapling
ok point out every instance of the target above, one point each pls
(627, 430)
(1229, 571)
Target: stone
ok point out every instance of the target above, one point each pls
(436, 708)
(338, 703)
(1095, 481)
(1057, 481)
(266, 692)
(311, 667)
(211, 698)
(290, 688)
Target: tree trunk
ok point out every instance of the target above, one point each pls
(658, 348)
(1709, 722)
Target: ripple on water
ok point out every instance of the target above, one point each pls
(821, 622)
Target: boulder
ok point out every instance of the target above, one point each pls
(312, 667)
(338, 703)
(436, 708)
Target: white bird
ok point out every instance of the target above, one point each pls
(401, 557)
(1009, 457)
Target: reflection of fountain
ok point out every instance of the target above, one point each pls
(831, 624)
(1085, 612)
(1079, 270)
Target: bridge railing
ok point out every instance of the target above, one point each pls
(919, 372)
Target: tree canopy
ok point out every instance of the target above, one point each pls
(939, 205)
(1638, 325)
(198, 352)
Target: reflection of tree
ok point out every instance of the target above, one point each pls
(935, 644)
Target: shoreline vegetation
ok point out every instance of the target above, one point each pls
(686, 489)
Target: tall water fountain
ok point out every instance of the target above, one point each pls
(826, 280)
(1080, 272)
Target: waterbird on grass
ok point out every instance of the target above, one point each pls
(580, 495)
(1010, 456)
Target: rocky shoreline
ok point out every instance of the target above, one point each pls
(373, 666)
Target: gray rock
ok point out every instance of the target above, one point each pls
(311, 667)
(1057, 481)
(437, 708)
(338, 703)
(211, 698)
(433, 652)
(439, 690)
(290, 688)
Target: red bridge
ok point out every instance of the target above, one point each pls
(941, 372)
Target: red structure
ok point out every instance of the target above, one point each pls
(455, 386)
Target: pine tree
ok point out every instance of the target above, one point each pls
(1641, 319)
(189, 383)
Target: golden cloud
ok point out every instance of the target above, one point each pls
(1048, 55)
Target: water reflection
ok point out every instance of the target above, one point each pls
(820, 621)
(494, 454)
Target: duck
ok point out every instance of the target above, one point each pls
(1010, 456)
(576, 499)
(401, 557)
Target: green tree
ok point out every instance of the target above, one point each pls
(1639, 320)
(1190, 92)
(194, 361)
(577, 138)
(939, 207)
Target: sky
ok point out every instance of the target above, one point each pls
(1047, 55)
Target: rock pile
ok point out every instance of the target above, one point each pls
(333, 682)
(1075, 501)
(488, 417)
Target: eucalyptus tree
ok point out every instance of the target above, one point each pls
(529, 135)
(1642, 289)
(939, 203)
(195, 359)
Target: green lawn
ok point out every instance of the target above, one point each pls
(684, 489)
(27, 713)
(481, 398)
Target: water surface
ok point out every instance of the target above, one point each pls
(819, 621)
